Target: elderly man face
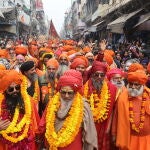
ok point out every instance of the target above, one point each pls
(97, 79)
(63, 61)
(135, 89)
(67, 93)
(117, 80)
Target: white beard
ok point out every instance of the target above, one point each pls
(135, 92)
(64, 108)
(118, 85)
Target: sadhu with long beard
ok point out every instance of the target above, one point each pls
(18, 114)
(132, 119)
(101, 96)
(68, 119)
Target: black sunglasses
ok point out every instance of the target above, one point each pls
(99, 74)
(67, 92)
(11, 89)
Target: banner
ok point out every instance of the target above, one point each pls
(52, 31)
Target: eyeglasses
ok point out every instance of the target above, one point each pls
(97, 74)
(70, 93)
(11, 89)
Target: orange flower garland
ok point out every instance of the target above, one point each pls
(15, 127)
(71, 125)
(142, 114)
(99, 106)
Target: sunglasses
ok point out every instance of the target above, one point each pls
(99, 74)
(11, 89)
(67, 92)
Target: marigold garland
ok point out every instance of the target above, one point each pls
(142, 114)
(16, 126)
(71, 125)
(99, 106)
(51, 93)
(36, 91)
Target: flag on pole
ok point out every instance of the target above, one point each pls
(52, 31)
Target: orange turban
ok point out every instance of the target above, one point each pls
(21, 50)
(79, 61)
(148, 67)
(3, 53)
(71, 52)
(108, 58)
(7, 77)
(2, 67)
(52, 62)
(110, 52)
(134, 67)
(86, 49)
(64, 55)
(137, 76)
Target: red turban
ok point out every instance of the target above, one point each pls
(79, 61)
(52, 62)
(111, 72)
(148, 67)
(134, 67)
(98, 66)
(21, 50)
(71, 78)
(138, 76)
(7, 77)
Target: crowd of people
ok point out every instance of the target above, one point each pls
(68, 95)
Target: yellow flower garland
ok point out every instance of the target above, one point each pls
(50, 89)
(99, 106)
(71, 125)
(36, 91)
(25, 121)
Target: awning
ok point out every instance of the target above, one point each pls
(144, 18)
(1, 14)
(10, 29)
(117, 25)
(93, 28)
(6, 9)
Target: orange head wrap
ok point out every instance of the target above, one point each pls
(2, 67)
(79, 61)
(21, 50)
(3, 53)
(134, 67)
(137, 76)
(7, 77)
(148, 67)
(52, 62)
(110, 52)
(64, 55)
(108, 58)
(86, 49)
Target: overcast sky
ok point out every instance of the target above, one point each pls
(55, 9)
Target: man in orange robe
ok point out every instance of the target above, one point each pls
(133, 114)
